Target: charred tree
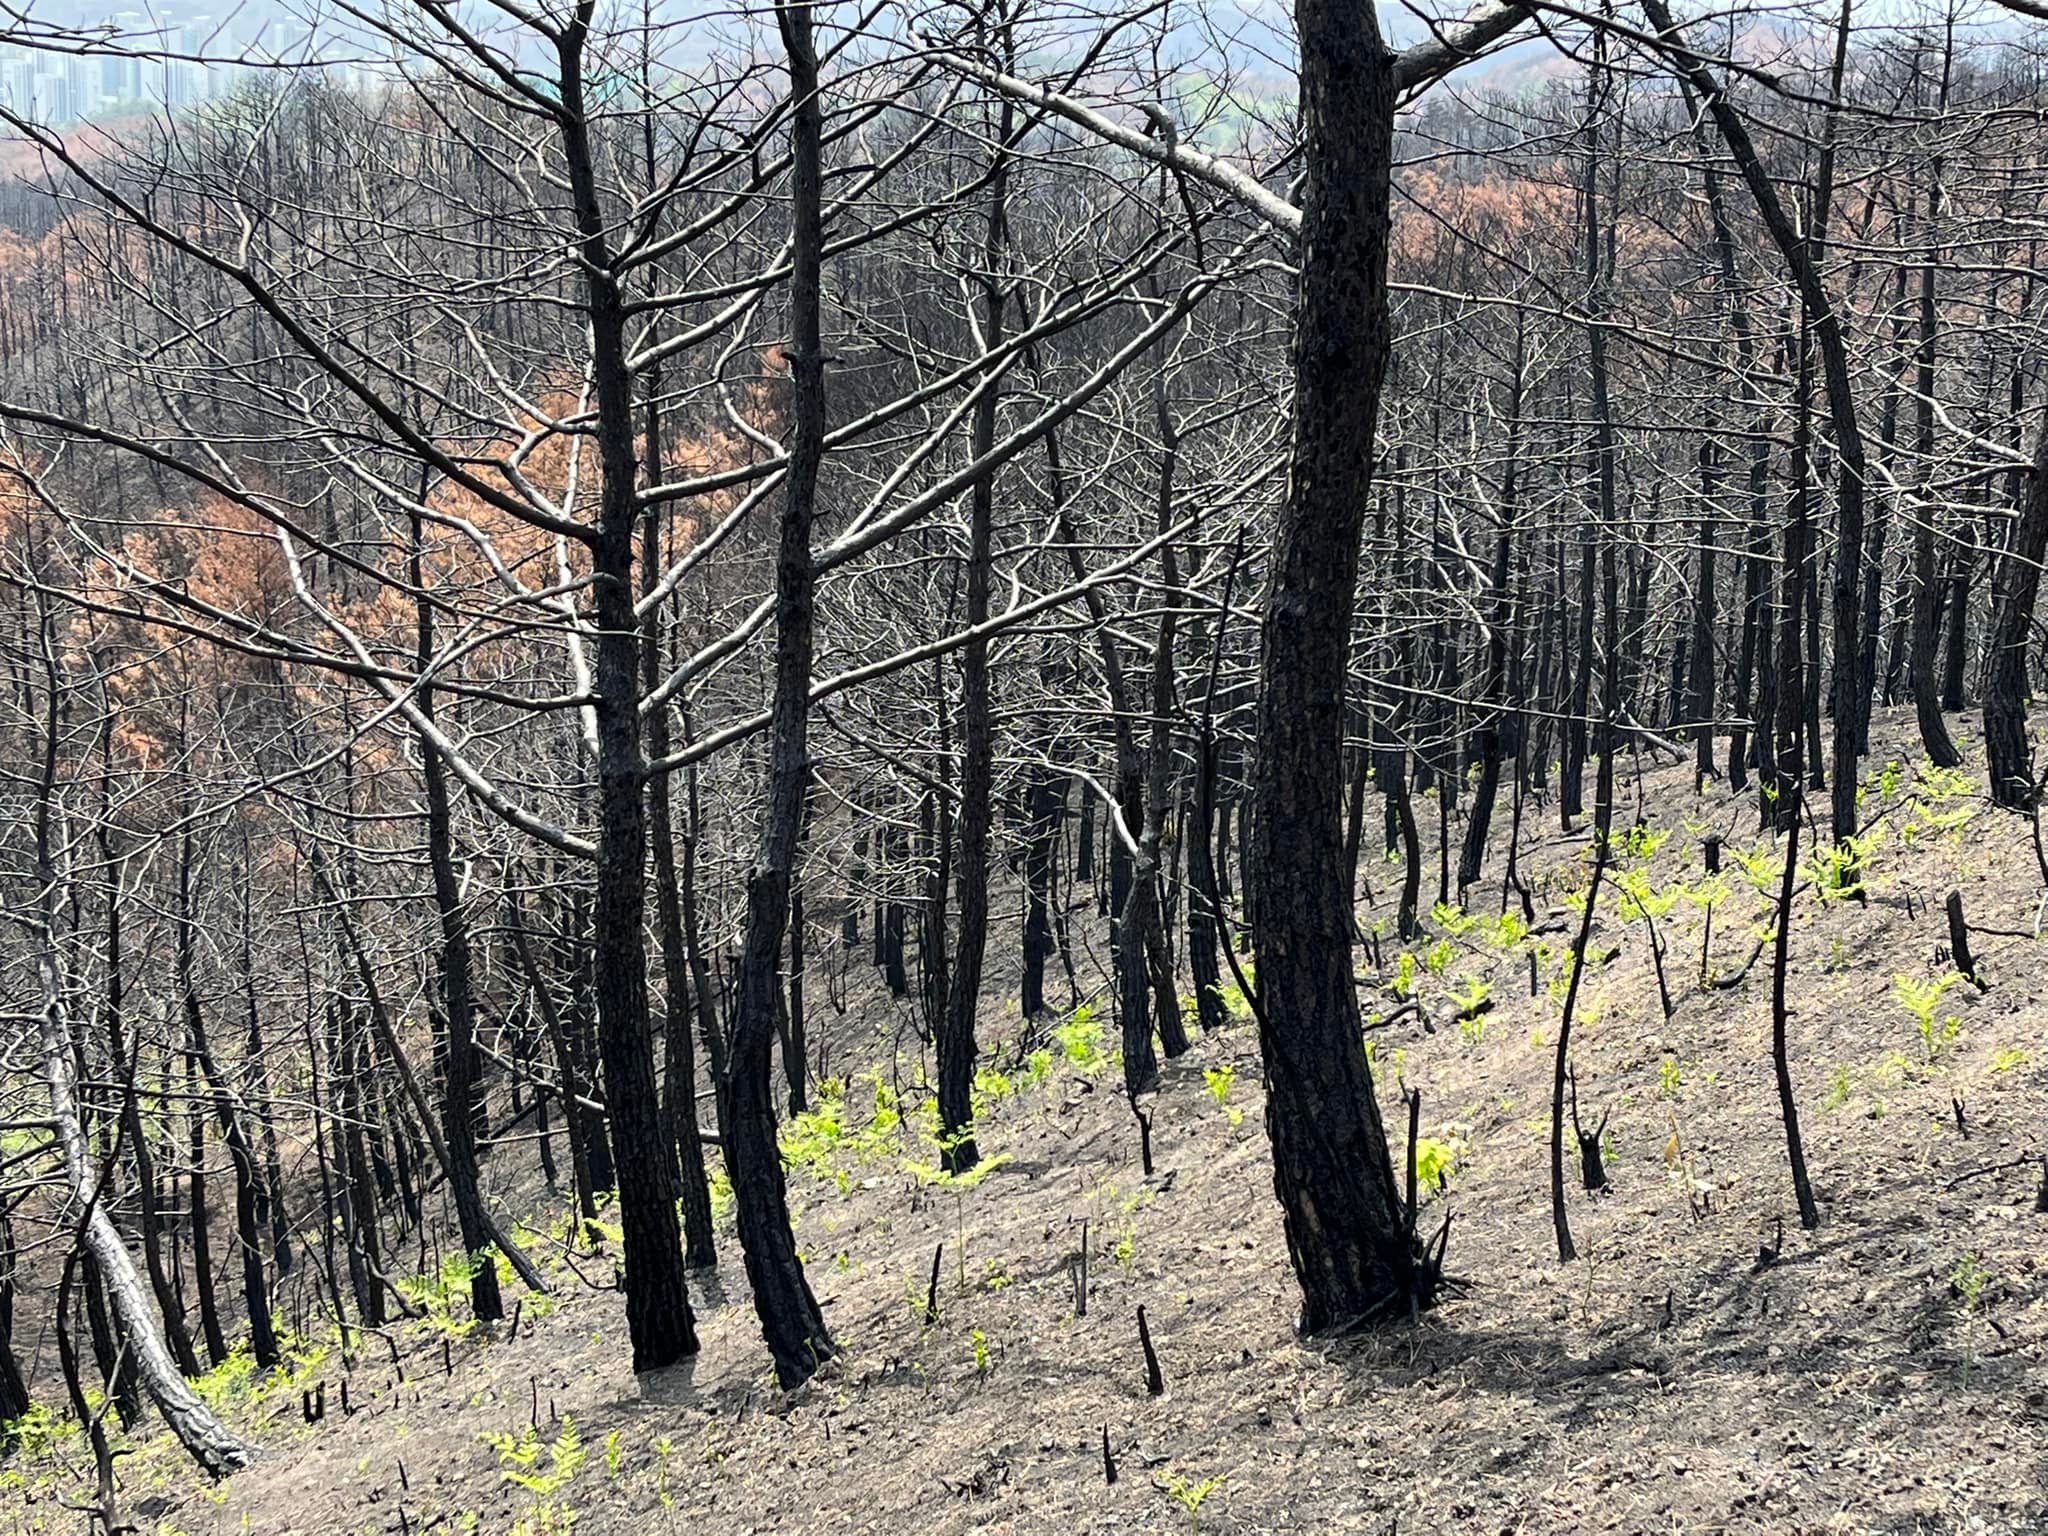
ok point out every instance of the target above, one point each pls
(791, 1321)
(2007, 750)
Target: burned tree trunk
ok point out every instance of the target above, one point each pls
(2018, 581)
(1700, 686)
(1497, 722)
(957, 1048)
(14, 1398)
(791, 1321)
(461, 1088)
(1166, 1015)
(1920, 671)
(1347, 1236)
(682, 991)
(658, 1316)
(1044, 806)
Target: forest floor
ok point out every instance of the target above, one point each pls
(1887, 1372)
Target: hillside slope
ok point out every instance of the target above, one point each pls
(1884, 1373)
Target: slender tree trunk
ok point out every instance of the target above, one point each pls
(683, 993)
(195, 1114)
(658, 1315)
(1962, 561)
(1492, 746)
(1788, 1104)
(1571, 790)
(117, 1371)
(14, 1398)
(957, 1049)
(270, 1188)
(795, 1064)
(1934, 736)
(1700, 704)
(1152, 864)
(2009, 754)
(1347, 1233)
(242, 1155)
(1045, 806)
(177, 1338)
(385, 1034)
(568, 1071)
(460, 1086)
(359, 1209)
(791, 1320)
(1597, 274)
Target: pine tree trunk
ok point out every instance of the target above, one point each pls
(1347, 1237)
(2008, 752)
(791, 1320)
(658, 1316)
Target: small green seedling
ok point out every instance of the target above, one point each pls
(1920, 999)
(1435, 1162)
(1190, 1494)
(1220, 1080)
(1670, 1080)
(1967, 1284)
(1838, 1090)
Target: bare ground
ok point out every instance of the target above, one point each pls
(1884, 1373)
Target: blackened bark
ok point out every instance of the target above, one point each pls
(935, 836)
(1207, 922)
(1792, 670)
(893, 969)
(195, 1113)
(568, 1072)
(14, 1398)
(1492, 744)
(1571, 775)
(1610, 691)
(1132, 891)
(270, 1190)
(263, 1343)
(1962, 562)
(658, 1316)
(684, 990)
(205, 1438)
(1347, 1236)
(1392, 772)
(1166, 1015)
(359, 1209)
(957, 1049)
(461, 1082)
(2017, 582)
(1045, 805)
(1700, 705)
(791, 1320)
(679, 997)
(385, 1033)
(1781, 1065)
(1084, 843)
(1934, 736)
(117, 1371)
(709, 1033)
(795, 1060)
(679, 962)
